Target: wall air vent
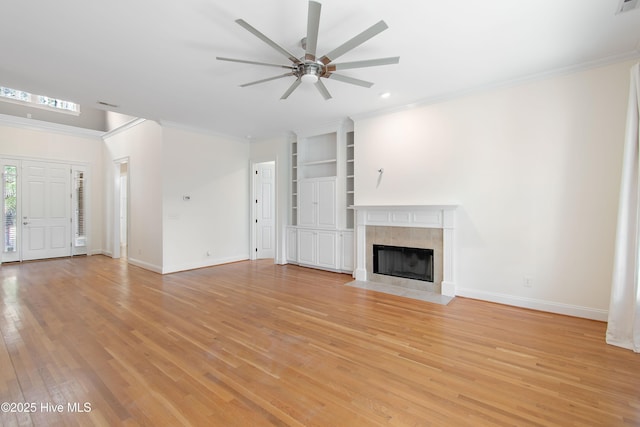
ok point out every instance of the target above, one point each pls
(106, 104)
(628, 5)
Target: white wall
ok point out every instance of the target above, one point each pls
(142, 145)
(278, 149)
(214, 172)
(535, 169)
(22, 142)
(116, 120)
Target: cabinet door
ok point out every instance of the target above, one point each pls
(347, 251)
(327, 249)
(307, 247)
(327, 203)
(307, 203)
(292, 244)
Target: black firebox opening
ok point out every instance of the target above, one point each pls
(410, 263)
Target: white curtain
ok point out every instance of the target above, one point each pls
(623, 329)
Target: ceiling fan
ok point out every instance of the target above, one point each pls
(310, 68)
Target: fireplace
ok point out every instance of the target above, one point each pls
(401, 261)
(426, 229)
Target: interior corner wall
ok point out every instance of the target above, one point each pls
(142, 145)
(205, 182)
(278, 149)
(535, 169)
(18, 142)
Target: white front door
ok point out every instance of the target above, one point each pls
(265, 210)
(46, 216)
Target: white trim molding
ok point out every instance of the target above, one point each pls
(420, 216)
(535, 304)
(40, 125)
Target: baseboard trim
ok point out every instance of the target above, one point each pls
(448, 289)
(536, 304)
(203, 264)
(145, 265)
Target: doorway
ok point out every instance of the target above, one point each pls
(44, 209)
(264, 212)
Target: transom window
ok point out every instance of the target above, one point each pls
(39, 101)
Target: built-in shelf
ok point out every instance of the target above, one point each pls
(319, 162)
(294, 183)
(322, 192)
(350, 166)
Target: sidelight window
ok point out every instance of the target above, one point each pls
(79, 200)
(10, 207)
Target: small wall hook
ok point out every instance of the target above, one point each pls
(381, 170)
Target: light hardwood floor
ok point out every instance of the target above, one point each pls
(252, 343)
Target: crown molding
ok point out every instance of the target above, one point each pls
(39, 125)
(126, 126)
(602, 62)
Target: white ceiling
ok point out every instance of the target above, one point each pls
(156, 59)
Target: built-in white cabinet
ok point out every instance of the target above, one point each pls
(307, 247)
(317, 203)
(322, 192)
(327, 249)
(319, 248)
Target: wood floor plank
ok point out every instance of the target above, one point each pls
(253, 343)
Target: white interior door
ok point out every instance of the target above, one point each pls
(46, 216)
(265, 210)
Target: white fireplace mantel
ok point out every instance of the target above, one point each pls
(422, 216)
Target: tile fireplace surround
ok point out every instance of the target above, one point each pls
(405, 226)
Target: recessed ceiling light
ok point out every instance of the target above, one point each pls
(385, 95)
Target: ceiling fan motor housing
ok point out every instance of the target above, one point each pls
(310, 71)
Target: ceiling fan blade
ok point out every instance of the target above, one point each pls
(350, 80)
(354, 42)
(267, 80)
(268, 41)
(291, 89)
(244, 61)
(323, 90)
(313, 24)
(362, 64)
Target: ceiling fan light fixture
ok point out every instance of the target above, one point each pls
(309, 78)
(310, 72)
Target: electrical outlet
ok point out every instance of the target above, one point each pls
(527, 282)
